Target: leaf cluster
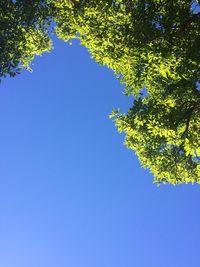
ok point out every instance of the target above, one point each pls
(153, 48)
(23, 34)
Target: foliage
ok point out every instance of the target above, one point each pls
(23, 34)
(153, 48)
(166, 134)
(142, 41)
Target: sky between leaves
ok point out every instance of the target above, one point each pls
(71, 195)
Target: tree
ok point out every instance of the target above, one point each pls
(23, 34)
(153, 48)
(142, 41)
(166, 134)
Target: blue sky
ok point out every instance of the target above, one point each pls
(71, 194)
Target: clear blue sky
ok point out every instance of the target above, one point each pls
(71, 195)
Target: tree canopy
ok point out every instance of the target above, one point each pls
(153, 47)
(23, 34)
